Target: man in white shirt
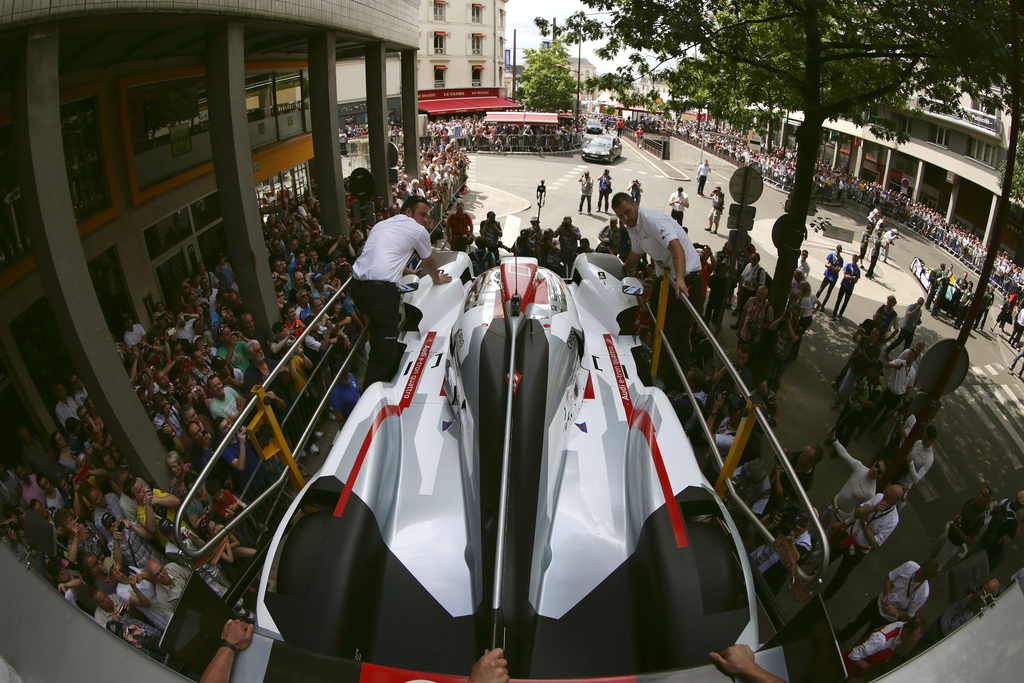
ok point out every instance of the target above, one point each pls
(67, 407)
(883, 643)
(678, 202)
(133, 332)
(653, 233)
(919, 460)
(904, 593)
(871, 525)
(859, 487)
(802, 265)
(702, 177)
(388, 248)
(902, 377)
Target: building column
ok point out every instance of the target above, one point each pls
(835, 150)
(323, 101)
(859, 163)
(990, 224)
(410, 115)
(920, 180)
(377, 117)
(50, 220)
(953, 194)
(232, 165)
(883, 177)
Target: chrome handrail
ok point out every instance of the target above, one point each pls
(762, 419)
(242, 416)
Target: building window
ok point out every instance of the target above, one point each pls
(83, 158)
(938, 135)
(478, 76)
(170, 129)
(905, 125)
(439, 11)
(477, 16)
(439, 43)
(478, 45)
(438, 77)
(982, 151)
(15, 242)
(501, 18)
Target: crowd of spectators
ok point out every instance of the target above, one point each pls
(192, 368)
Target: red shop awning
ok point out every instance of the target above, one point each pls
(465, 104)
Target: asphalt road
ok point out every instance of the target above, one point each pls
(981, 430)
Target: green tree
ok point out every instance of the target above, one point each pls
(546, 83)
(1017, 184)
(852, 60)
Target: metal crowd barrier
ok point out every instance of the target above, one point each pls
(755, 411)
(317, 384)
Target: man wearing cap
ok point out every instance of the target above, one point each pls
(380, 266)
(678, 201)
(653, 233)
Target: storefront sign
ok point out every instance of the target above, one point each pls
(454, 93)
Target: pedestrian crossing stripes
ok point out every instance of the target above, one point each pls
(1005, 395)
(979, 400)
(991, 370)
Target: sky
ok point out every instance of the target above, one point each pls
(519, 15)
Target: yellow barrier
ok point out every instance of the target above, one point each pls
(659, 325)
(277, 444)
(736, 450)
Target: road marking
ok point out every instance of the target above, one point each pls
(927, 492)
(950, 473)
(991, 370)
(1002, 390)
(1008, 428)
(978, 371)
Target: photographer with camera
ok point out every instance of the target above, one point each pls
(119, 531)
(490, 230)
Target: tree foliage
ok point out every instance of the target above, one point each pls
(761, 58)
(1017, 184)
(546, 82)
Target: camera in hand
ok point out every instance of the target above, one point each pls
(107, 519)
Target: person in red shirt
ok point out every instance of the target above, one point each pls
(460, 228)
(225, 504)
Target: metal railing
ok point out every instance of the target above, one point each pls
(276, 486)
(762, 419)
(546, 143)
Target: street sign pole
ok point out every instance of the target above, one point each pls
(745, 187)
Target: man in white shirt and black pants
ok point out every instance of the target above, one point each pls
(678, 202)
(388, 248)
(655, 234)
